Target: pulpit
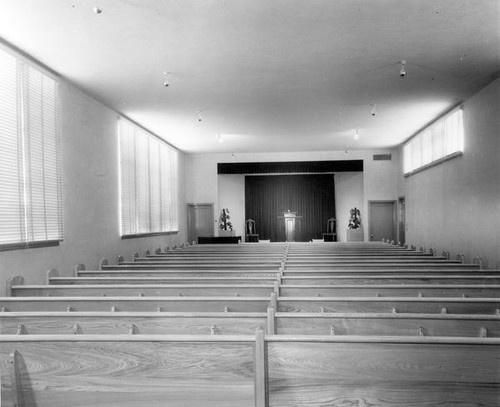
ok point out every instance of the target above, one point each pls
(292, 225)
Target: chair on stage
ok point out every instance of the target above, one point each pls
(250, 235)
(331, 231)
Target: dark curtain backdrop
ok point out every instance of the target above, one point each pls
(311, 196)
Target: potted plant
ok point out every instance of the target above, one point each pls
(354, 229)
(225, 225)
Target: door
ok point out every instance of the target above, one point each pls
(382, 220)
(401, 219)
(200, 221)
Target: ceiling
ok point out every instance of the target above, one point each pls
(267, 75)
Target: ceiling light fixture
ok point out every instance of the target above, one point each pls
(200, 119)
(356, 135)
(374, 110)
(402, 71)
(97, 10)
(166, 83)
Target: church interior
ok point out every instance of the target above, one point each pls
(255, 203)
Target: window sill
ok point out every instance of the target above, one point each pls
(26, 246)
(149, 234)
(434, 163)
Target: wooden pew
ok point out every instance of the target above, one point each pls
(135, 304)
(382, 371)
(376, 270)
(251, 257)
(484, 277)
(255, 304)
(366, 258)
(144, 323)
(131, 370)
(417, 277)
(365, 290)
(245, 323)
(383, 324)
(390, 304)
(243, 370)
(381, 265)
(236, 261)
(391, 290)
(152, 271)
(162, 290)
(230, 267)
(138, 279)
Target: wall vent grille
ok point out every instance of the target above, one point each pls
(382, 157)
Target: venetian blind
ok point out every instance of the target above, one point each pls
(30, 168)
(441, 140)
(148, 182)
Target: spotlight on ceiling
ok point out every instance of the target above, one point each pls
(402, 71)
(374, 110)
(97, 10)
(166, 83)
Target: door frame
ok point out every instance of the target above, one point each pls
(394, 216)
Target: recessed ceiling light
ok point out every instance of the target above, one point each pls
(97, 10)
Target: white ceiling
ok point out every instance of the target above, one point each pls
(269, 75)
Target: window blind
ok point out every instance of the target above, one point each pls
(30, 168)
(148, 182)
(441, 140)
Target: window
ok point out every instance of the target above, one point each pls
(440, 141)
(148, 183)
(30, 167)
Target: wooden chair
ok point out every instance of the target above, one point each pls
(331, 231)
(250, 230)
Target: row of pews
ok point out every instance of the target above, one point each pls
(281, 324)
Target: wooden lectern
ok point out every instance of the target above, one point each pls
(292, 225)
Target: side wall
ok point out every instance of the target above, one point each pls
(90, 197)
(377, 182)
(455, 205)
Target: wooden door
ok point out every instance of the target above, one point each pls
(200, 221)
(402, 219)
(382, 223)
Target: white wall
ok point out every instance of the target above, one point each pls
(455, 205)
(90, 197)
(379, 181)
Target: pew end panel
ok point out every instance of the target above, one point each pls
(52, 273)
(102, 263)
(11, 282)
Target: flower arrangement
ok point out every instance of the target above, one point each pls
(224, 223)
(354, 220)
